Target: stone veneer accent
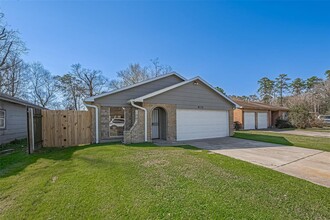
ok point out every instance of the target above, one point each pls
(136, 133)
(170, 110)
(105, 116)
(104, 122)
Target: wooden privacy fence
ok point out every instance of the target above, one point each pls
(66, 128)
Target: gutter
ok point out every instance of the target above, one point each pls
(145, 119)
(96, 121)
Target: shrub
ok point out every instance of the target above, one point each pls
(281, 123)
(299, 115)
(237, 125)
(315, 122)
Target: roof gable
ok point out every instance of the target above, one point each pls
(156, 93)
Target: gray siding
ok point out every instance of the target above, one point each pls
(16, 127)
(121, 98)
(192, 96)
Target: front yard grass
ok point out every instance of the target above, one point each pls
(116, 181)
(318, 143)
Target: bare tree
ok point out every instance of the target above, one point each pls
(42, 85)
(10, 45)
(321, 97)
(13, 80)
(135, 73)
(72, 91)
(11, 65)
(93, 81)
(158, 69)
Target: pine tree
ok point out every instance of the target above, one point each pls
(266, 89)
(282, 85)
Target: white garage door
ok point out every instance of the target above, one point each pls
(249, 120)
(200, 124)
(262, 120)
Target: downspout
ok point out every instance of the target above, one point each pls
(145, 119)
(96, 121)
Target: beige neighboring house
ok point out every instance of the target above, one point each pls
(168, 107)
(256, 115)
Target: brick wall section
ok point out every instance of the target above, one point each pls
(136, 133)
(170, 110)
(269, 116)
(231, 122)
(238, 116)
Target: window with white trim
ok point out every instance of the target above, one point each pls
(2, 119)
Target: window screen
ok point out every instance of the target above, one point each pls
(2, 118)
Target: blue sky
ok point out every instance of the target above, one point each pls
(231, 44)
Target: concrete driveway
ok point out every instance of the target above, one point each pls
(308, 164)
(301, 132)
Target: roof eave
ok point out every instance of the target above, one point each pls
(22, 103)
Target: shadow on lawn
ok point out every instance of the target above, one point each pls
(13, 163)
(264, 138)
(152, 145)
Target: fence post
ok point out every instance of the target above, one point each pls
(30, 131)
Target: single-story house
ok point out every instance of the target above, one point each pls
(167, 107)
(13, 118)
(256, 115)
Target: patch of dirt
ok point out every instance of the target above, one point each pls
(54, 178)
(156, 163)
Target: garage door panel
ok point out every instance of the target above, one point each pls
(262, 120)
(249, 120)
(199, 124)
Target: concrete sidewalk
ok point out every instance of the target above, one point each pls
(309, 164)
(301, 132)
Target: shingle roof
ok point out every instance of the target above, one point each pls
(19, 101)
(92, 98)
(258, 106)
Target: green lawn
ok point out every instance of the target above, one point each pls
(286, 139)
(143, 181)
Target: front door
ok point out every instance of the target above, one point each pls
(155, 124)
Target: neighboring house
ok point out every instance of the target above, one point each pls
(256, 115)
(13, 118)
(168, 107)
